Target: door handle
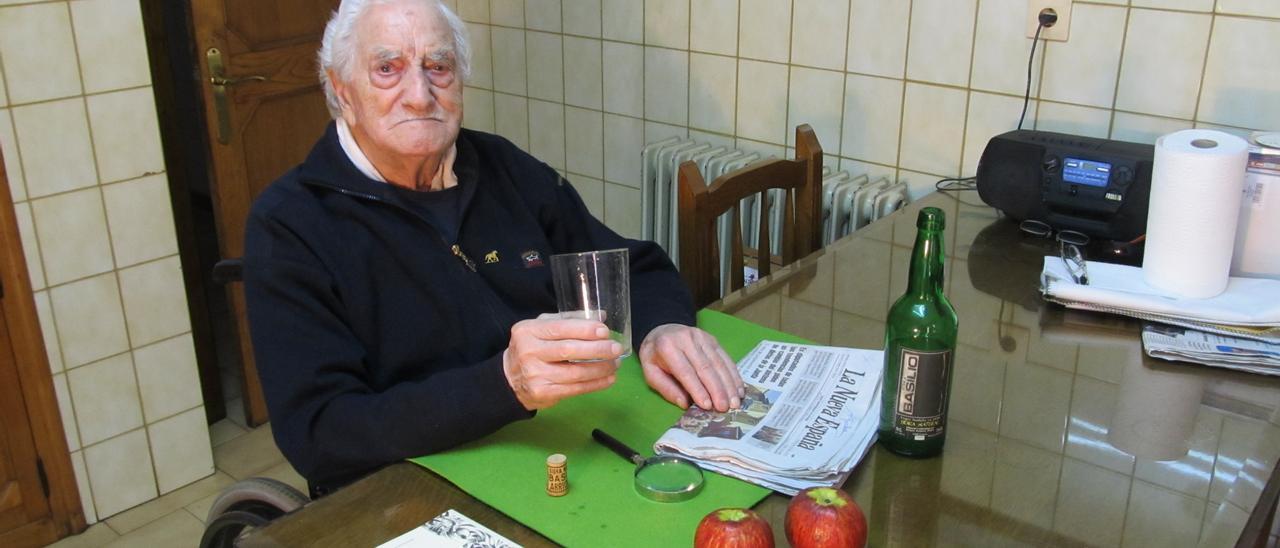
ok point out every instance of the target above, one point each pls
(219, 81)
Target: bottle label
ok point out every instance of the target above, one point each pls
(920, 412)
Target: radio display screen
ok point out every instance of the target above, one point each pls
(1086, 172)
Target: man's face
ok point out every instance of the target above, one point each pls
(404, 98)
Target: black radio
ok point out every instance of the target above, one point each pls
(1095, 186)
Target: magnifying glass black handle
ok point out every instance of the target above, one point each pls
(616, 446)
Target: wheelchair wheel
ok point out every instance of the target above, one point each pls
(246, 505)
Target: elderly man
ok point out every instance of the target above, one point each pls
(378, 334)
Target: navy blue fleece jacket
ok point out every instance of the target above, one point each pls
(378, 340)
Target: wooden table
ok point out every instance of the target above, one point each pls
(1062, 432)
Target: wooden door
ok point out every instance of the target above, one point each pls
(39, 501)
(261, 122)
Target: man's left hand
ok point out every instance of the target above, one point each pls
(683, 362)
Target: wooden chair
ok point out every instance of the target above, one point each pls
(700, 205)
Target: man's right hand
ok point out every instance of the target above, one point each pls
(537, 360)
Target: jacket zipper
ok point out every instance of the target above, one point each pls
(457, 252)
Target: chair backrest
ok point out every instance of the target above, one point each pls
(700, 205)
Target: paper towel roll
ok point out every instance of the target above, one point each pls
(1196, 183)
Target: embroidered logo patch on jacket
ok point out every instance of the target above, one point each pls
(531, 258)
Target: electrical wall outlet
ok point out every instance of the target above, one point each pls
(1060, 30)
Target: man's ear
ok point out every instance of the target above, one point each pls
(342, 92)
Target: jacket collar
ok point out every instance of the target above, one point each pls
(328, 166)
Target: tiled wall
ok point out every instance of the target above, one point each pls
(906, 89)
(82, 148)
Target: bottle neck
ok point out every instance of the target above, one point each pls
(926, 263)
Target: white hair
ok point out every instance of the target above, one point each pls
(337, 48)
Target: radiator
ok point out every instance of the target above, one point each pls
(848, 202)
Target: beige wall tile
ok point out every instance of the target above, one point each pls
(1064, 118)
(620, 212)
(1082, 70)
(583, 73)
(39, 52)
(478, 113)
(872, 114)
(155, 303)
(1261, 8)
(666, 23)
(1160, 517)
(762, 96)
(1188, 5)
(666, 85)
(816, 98)
(623, 136)
(1091, 503)
(624, 79)
(138, 516)
(654, 131)
(105, 395)
(713, 26)
(712, 88)
(181, 450)
(509, 60)
(141, 220)
(546, 66)
(1236, 93)
(1160, 75)
(932, 129)
(111, 44)
(72, 231)
(511, 118)
(989, 115)
(819, 29)
(90, 319)
(1001, 48)
(66, 411)
(623, 20)
(764, 30)
(167, 377)
(86, 493)
(542, 15)
(508, 13)
(1139, 128)
(126, 134)
(55, 146)
(481, 55)
(878, 37)
(546, 132)
(12, 162)
(807, 320)
(4, 94)
(49, 331)
(581, 17)
(592, 193)
(474, 11)
(30, 249)
(584, 143)
(941, 41)
(119, 473)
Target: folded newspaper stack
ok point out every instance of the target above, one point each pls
(1170, 342)
(809, 415)
(1238, 329)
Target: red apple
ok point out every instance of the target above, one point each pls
(733, 528)
(825, 517)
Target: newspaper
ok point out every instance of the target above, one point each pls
(1170, 342)
(809, 415)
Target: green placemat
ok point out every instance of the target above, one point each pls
(507, 470)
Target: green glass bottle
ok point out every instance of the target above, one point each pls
(919, 349)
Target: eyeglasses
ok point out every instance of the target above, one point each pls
(1041, 229)
(1073, 257)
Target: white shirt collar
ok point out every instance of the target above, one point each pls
(353, 151)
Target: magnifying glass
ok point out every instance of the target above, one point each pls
(660, 478)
